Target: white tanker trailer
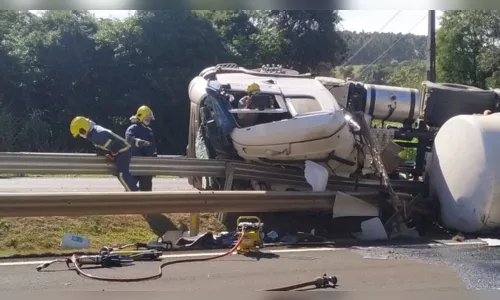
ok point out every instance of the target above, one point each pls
(299, 120)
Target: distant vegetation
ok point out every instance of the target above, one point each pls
(65, 63)
(403, 65)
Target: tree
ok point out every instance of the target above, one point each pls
(375, 74)
(408, 74)
(65, 63)
(61, 61)
(467, 47)
(174, 47)
(237, 32)
(408, 46)
(310, 37)
(348, 71)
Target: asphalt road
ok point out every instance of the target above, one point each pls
(82, 184)
(421, 268)
(237, 272)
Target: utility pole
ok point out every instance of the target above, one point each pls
(431, 47)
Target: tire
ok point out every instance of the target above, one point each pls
(452, 86)
(460, 86)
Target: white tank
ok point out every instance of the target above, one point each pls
(465, 172)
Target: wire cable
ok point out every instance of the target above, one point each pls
(394, 44)
(371, 39)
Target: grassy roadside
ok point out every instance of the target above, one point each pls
(40, 235)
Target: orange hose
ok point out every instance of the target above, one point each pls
(80, 272)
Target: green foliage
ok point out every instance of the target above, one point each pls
(302, 30)
(468, 47)
(410, 47)
(409, 74)
(66, 63)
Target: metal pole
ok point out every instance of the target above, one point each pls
(194, 224)
(431, 45)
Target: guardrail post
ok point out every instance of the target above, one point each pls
(194, 224)
(228, 185)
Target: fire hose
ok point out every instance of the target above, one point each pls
(109, 258)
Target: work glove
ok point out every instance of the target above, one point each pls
(143, 143)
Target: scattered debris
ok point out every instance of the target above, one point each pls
(405, 232)
(316, 175)
(72, 241)
(459, 237)
(172, 236)
(372, 230)
(349, 206)
(272, 235)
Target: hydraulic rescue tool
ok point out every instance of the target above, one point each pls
(249, 233)
(319, 283)
(105, 260)
(110, 257)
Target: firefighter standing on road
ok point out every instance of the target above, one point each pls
(110, 144)
(140, 131)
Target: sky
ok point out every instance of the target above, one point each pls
(406, 21)
(354, 20)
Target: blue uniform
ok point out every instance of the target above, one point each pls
(140, 132)
(136, 134)
(107, 142)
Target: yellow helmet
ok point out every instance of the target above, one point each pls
(79, 126)
(144, 112)
(253, 88)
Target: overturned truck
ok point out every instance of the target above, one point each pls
(346, 136)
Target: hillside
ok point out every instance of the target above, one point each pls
(402, 65)
(409, 47)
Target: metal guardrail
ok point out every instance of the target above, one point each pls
(67, 163)
(78, 204)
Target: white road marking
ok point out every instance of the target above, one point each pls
(25, 263)
(491, 242)
(471, 243)
(182, 255)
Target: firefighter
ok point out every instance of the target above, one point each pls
(113, 146)
(140, 131)
(249, 119)
(246, 101)
(135, 133)
(119, 151)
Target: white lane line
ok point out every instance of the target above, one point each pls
(32, 262)
(471, 243)
(443, 243)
